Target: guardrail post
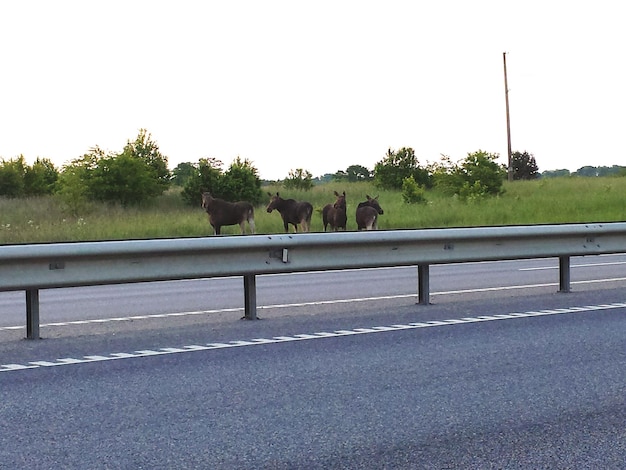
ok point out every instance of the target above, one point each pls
(32, 314)
(423, 284)
(249, 293)
(564, 274)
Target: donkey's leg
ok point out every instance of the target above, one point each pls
(251, 225)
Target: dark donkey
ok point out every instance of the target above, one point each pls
(228, 213)
(293, 212)
(335, 214)
(367, 214)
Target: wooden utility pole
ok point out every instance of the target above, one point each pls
(508, 120)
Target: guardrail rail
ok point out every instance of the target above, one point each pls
(32, 267)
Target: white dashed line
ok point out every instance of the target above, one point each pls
(304, 337)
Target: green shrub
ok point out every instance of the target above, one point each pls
(412, 193)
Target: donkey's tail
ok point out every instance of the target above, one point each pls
(309, 212)
(250, 219)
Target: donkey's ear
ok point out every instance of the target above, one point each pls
(336, 193)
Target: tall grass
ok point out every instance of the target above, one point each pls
(557, 200)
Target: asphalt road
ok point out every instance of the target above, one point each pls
(507, 378)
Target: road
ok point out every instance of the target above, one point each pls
(344, 371)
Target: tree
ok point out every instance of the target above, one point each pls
(390, 172)
(182, 173)
(131, 177)
(478, 175)
(555, 173)
(18, 179)
(40, 178)
(482, 174)
(241, 182)
(147, 151)
(341, 175)
(206, 177)
(352, 174)
(587, 171)
(74, 188)
(358, 173)
(124, 179)
(12, 177)
(447, 176)
(524, 166)
(299, 179)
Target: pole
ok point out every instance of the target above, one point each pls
(508, 121)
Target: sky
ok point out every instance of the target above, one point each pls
(315, 85)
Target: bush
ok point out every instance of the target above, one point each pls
(123, 179)
(205, 178)
(412, 193)
(12, 177)
(299, 180)
(390, 172)
(239, 183)
(18, 179)
(478, 175)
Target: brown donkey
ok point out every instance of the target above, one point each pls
(293, 212)
(335, 214)
(367, 214)
(228, 213)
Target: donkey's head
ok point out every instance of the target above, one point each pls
(206, 200)
(340, 203)
(373, 202)
(275, 201)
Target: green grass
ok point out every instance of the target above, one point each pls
(557, 200)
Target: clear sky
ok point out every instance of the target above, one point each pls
(318, 85)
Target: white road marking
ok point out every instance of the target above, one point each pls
(309, 304)
(586, 265)
(304, 337)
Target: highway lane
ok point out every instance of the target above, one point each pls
(62, 305)
(536, 380)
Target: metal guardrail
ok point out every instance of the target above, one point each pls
(42, 266)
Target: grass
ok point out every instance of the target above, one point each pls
(556, 200)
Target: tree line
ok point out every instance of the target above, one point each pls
(140, 172)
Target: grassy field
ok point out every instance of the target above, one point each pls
(556, 200)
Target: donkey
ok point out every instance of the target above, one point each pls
(293, 212)
(228, 213)
(367, 214)
(335, 214)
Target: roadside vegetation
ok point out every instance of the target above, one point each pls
(132, 194)
(555, 200)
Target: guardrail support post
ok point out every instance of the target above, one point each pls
(564, 274)
(249, 292)
(32, 314)
(423, 284)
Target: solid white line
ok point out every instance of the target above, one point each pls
(588, 265)
(313, 303)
